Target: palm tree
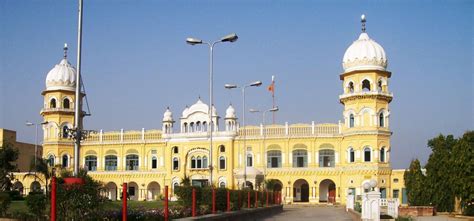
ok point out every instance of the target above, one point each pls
(186, 181)
(40, 170)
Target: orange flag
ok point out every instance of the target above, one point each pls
(271, 88)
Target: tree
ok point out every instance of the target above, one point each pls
(186, 181)
(8, 155)
(439, 173)
(414, 185)
(463, 167)
(39, 170)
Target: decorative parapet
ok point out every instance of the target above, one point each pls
(294, 130)
(363, 94)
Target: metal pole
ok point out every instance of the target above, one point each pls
(78, 102)
(244, 137)
(166, 215)
(53, 198)
(36, 145)
(264, 149)
(211, 58)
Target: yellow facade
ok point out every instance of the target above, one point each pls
(312, 163)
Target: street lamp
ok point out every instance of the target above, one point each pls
(29, 124)
(233, 86)
(195, 41)
(275, 109)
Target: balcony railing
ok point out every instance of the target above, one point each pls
(44, 110)
(295, 130)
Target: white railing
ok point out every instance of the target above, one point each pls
(350, 202)
(383, 202)
(392, 207)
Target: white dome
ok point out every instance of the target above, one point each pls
(230, 112)
(168, 115)
(364, 54)
(61, 77)
(199, 106)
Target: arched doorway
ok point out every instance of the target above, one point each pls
(153, 191)
(133, 191)
(249, 185)
(327, 191)
(278, 186)
(301, 191)
(35, 187)
(18, 186)
(111, 190)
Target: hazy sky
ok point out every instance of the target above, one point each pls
(136, 61)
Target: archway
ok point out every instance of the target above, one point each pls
(133, 191)
(111, 191)
(249, 185)
(327, 191)
(278, 186)
(35, 187)
(301, 191)
(18, 186)
(153, 191)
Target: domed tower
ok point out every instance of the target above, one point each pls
(58, 112)
(168, 121)
(230, 119)
(366, 99)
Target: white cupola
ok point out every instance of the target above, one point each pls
(168, 121)
(364, 54)
(230, 119)
(62, 76)
(196, 118)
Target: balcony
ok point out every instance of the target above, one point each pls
(53, 110)
(358, 94)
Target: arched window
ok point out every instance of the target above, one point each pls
(222, 148)
(91, 163)
(65, 131)
(176, 184)
(367, 154)
(154, 162)
(204, 162)
(65, 162)
(379, 85)
(175, 149)
(381, 120)
(351, 87)
(204, 126)
(222, 185)
(51, 160)
(185, 127)
(110, 163)
(326, 158)
(66, 103)
(274, 159)
(351, 155)
(191, 127)
(300, 158)
(365, 85)
(198, 162)
(249, 160)
(193, 162)
(222, 162)
(175, 163)
(52, 103)
(198, 126)
(382, 154)
(131, 162)
(351, 120)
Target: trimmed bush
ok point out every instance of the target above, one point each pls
(36, 202)
(5, 202)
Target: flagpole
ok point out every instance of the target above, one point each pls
(273, 98)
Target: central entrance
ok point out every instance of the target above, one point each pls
(301, 191)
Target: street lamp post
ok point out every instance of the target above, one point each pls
(233, 86)
(264, 136)
(195, 41)
(29, 124)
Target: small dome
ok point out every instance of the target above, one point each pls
(230, 112)
(168, 115)
(364, 54)
(199, 106)
(62, 76)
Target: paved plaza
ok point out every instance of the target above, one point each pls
(307, 212)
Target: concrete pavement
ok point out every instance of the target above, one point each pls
(310, 212)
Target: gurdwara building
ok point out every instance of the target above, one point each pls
(313, 163)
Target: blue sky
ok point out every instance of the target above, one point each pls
(136, 61)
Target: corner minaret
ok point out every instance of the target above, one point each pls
(366, 96)
(168, 121)
(58, 112)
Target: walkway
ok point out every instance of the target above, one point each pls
(311, 212)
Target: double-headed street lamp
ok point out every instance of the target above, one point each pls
(275, 109)
(29, 124)
(195, 41)
(233, 86)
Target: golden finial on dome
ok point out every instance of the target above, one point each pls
(362, 20)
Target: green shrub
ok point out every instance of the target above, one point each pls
(15, 195)
(5, 202)
(36, 202)
(404, 218)
(358, 207)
